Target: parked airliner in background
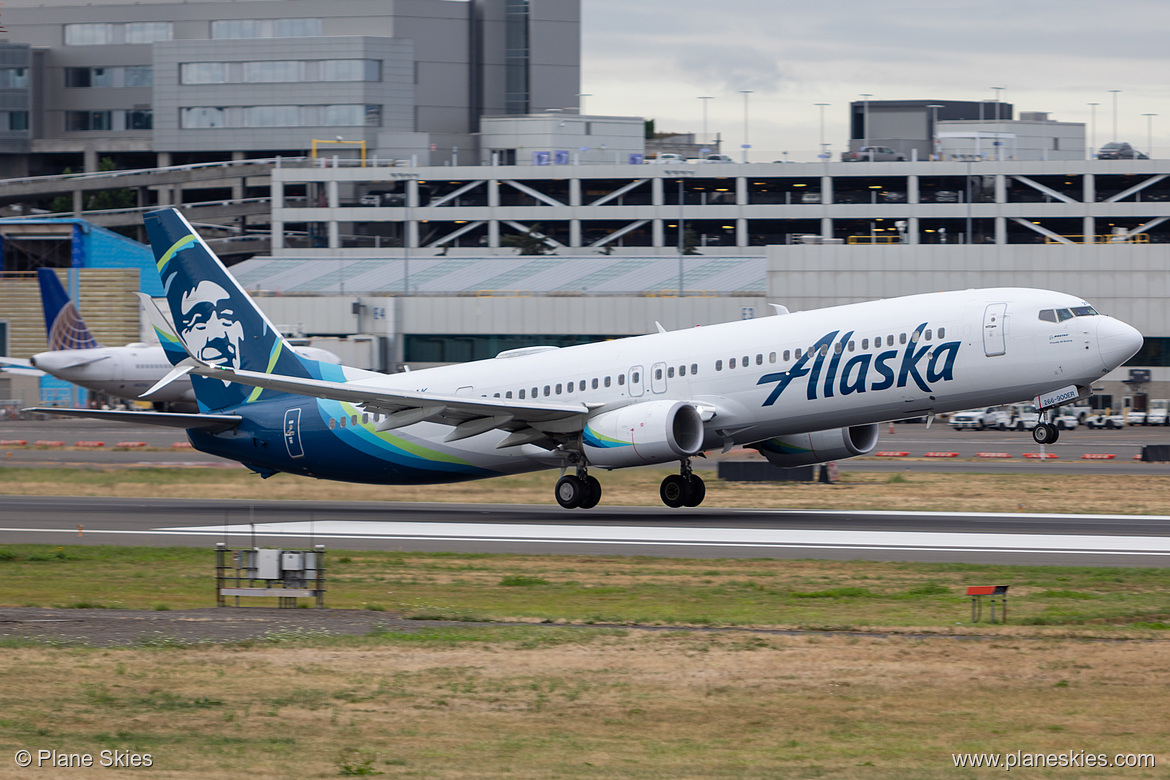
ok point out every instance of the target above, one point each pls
(122, 372)
(800, 388)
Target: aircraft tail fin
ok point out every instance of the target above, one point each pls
(63, 324)
(215, 320)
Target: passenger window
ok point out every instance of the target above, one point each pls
(547, 391)
(521, 395)
(901, 338)
(928, 334)
(889, 341)
(508, 394)
(607, 381)
(343, 420)
(534, 393)
(594, 383)
(798, 354)
(745, 361)
(837, 348)
(1063, 314)
(1048, 315)
(657, 373)
(636, 378)
(366, 417)
(865, 343)
(851, 346)
(581, 385)
(332, 423)
(942, 333)
(760, 359)
(771, 357)
(354, 422)
(669, 372)
(915, 336)
(621, 379)
(731, 363)
(824, 349)
(694, 368)
(558, 388)
(496, 395)
(718, 365)
(682, 370)
(786, 355)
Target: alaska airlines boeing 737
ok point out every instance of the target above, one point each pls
(800, 388)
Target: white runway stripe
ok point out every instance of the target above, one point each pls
(696, 537)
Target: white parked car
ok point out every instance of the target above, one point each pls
(1025, 417)
(1155, 414)
(999, 417)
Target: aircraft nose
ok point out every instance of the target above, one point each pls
(1117, 341)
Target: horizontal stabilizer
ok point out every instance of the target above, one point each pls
(207, 422)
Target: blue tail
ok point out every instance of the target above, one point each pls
(216, 321)
(63, 324)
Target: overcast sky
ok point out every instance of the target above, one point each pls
(654, 58)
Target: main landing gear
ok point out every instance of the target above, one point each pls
(682, 489)
(578, 491)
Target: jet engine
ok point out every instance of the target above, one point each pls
(803, 449)
(650, 432)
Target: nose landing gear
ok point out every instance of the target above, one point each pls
(682, 489)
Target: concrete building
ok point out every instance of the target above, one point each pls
(175, 81)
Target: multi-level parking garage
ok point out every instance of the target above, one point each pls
(638, 207)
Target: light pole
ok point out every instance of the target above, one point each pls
(746, 144)
(1150, 134)
(1114, 91)
(998, 90)
(934, 146)
(705, 98)
(824, 152)
(865, 96)
(581, 102)
(1093, 130)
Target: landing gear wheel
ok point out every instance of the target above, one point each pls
(592, 493)
(571, 491)
(696, 492)
(1045, 433)
(673, 491)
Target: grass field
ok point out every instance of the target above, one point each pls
(1080, 667)
(915, 490)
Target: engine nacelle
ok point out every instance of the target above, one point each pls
(641, 433)
(803, 449)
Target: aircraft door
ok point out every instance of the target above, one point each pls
(658, 378)
(993, 324)
(292, 433)
(635, 382)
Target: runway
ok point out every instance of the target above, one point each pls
(1095, 540)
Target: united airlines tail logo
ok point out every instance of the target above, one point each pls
(824, 372)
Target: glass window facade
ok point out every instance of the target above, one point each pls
(355, 115)
(140, 119)
(13, 120)
(148, 32)
(83, 121)
(516, 57)
(279, 71)
(13, 78)
(266, 28)
(89, 34)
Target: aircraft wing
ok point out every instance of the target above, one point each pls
(210, 422)
(19, 366)
(469, 414)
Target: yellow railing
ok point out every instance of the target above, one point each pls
(874, 240)
(1107, 238)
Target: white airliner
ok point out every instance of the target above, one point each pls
(801, 388)
(127, 372)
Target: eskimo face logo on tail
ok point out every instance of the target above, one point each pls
(920, 363)
(209, 325)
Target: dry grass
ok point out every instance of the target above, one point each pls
(634, 706)
(909, 490)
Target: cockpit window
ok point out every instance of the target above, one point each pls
(1084, 311)
(1048, 315)
(1063, 314)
